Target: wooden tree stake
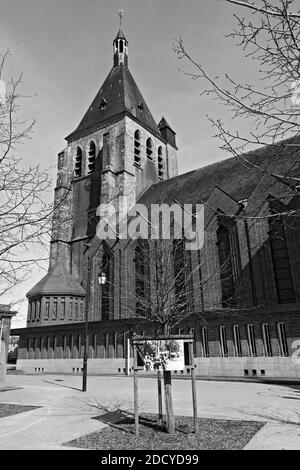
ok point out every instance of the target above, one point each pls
(136, 404)
(160, 413)
(170, 421)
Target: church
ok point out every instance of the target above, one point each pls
(241, 298)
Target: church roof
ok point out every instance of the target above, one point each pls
(235, 175)
(119, 95)
(57, 282)
(164, 123)
(120, 35)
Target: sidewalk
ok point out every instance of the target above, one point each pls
(67, 413)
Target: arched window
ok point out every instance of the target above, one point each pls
(225, 263)
(54, 308)
(29, 310)
(142, 277)
(62, 308)
(120, 45)
(281, 261)
(78, 163)
(92, 157)
(180, 283)
(160, 163)
(149, 149)
(76, 310)
(38, 309)
(137, 148)
(47, 308)
(33, 310)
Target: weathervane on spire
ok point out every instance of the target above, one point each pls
(121, 16)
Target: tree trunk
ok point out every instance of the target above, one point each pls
(170, 421)
(166, 329)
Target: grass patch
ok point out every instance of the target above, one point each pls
(7, 409)
(212, 434)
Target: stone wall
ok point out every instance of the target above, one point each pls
(5, 321)
(108, 349)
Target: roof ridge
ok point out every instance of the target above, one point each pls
(229, 174)
(231, 158)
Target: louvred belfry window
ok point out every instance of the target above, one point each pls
(160, 163)
(137, 148)
(149, 149)
(78, 163)
(92, 157)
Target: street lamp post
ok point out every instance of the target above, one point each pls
(86, 338)
(102, 278)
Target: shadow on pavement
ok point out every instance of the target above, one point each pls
(60, 385)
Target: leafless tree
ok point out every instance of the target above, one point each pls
(164, 282)
(25, 217)
(166, 278)
(269, 35)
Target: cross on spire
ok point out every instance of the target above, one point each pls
(121, 16)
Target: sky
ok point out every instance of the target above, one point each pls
(64, 50)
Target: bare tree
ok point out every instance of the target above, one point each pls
(163, 291)
(269, 35)
(164, 282)
(165, 278)
(164, 295)
(25, 217)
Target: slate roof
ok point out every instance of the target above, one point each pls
(164, 123)
(120, 35)
(57, 282)
(233, 175)
(118, 95)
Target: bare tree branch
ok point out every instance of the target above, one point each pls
(25, 216)
(270, 35)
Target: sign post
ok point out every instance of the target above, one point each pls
(128, 356)
(194, 396)
(164, 353)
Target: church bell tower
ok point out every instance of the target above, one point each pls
(116, 150)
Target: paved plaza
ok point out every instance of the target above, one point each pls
(66, 412)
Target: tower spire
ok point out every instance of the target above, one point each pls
(120, 46)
